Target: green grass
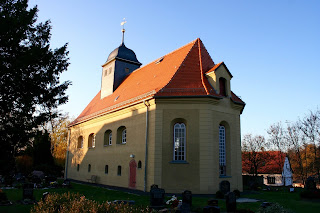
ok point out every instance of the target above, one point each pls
(290, 201)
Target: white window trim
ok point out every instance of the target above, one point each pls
(182, 144)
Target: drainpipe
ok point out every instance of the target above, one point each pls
(67, 155)
(146, 154)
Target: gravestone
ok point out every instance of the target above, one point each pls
(187, 197)
(156, 197)
(27, 191)
(211, 209)
(212, 202)
(212, 206)
(310, 184)
(231, 202)
(224, 186)
(186, 201)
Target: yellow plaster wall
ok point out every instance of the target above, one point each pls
(201, 172)
(134, 119)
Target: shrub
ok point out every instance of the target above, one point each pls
(72, 203)
(237, 193)
(219, 195)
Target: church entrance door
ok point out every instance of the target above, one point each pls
(133, 170)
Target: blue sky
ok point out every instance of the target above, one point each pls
(272, 48)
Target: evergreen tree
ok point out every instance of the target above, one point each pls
(30, 89)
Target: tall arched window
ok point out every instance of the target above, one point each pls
(222, 150)
(179, 142)
(222, 86)
(80, 142)
(107, 138)
(122, 135)
(91, 141)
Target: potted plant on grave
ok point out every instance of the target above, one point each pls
(173, 203)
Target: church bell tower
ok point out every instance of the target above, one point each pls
(121, 62)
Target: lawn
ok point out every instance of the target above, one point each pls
(290, 201)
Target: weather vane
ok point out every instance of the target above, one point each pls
(123, 30)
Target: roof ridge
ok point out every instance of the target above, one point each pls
(181, 63)
(200, 64)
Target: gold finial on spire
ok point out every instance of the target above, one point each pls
(123, 30)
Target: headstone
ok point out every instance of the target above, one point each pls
(212, 202)
(310, 184)
(156, 197)
(211, 209)
(27, 191)
(187, 197)
(231, 203)
(224, 186)
(154, 186)
(186, 202)
(291, 189)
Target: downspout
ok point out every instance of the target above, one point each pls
(146, 153)
(67, 155)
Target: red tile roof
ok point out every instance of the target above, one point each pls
(180, 73)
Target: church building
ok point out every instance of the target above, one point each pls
(174, 122)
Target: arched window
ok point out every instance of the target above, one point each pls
(179, 142)
(80, 142)
(78, 167)
(122, 135)
(107, 138)
(222, 86)
(222, 150)
(91, 141)
(139, 164)
(106, 169)
(89, 168)
(119, 170)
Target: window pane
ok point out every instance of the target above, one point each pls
(179, 141)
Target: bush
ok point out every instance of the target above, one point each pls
(71, 203)
(219, 195)
(237, 193)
